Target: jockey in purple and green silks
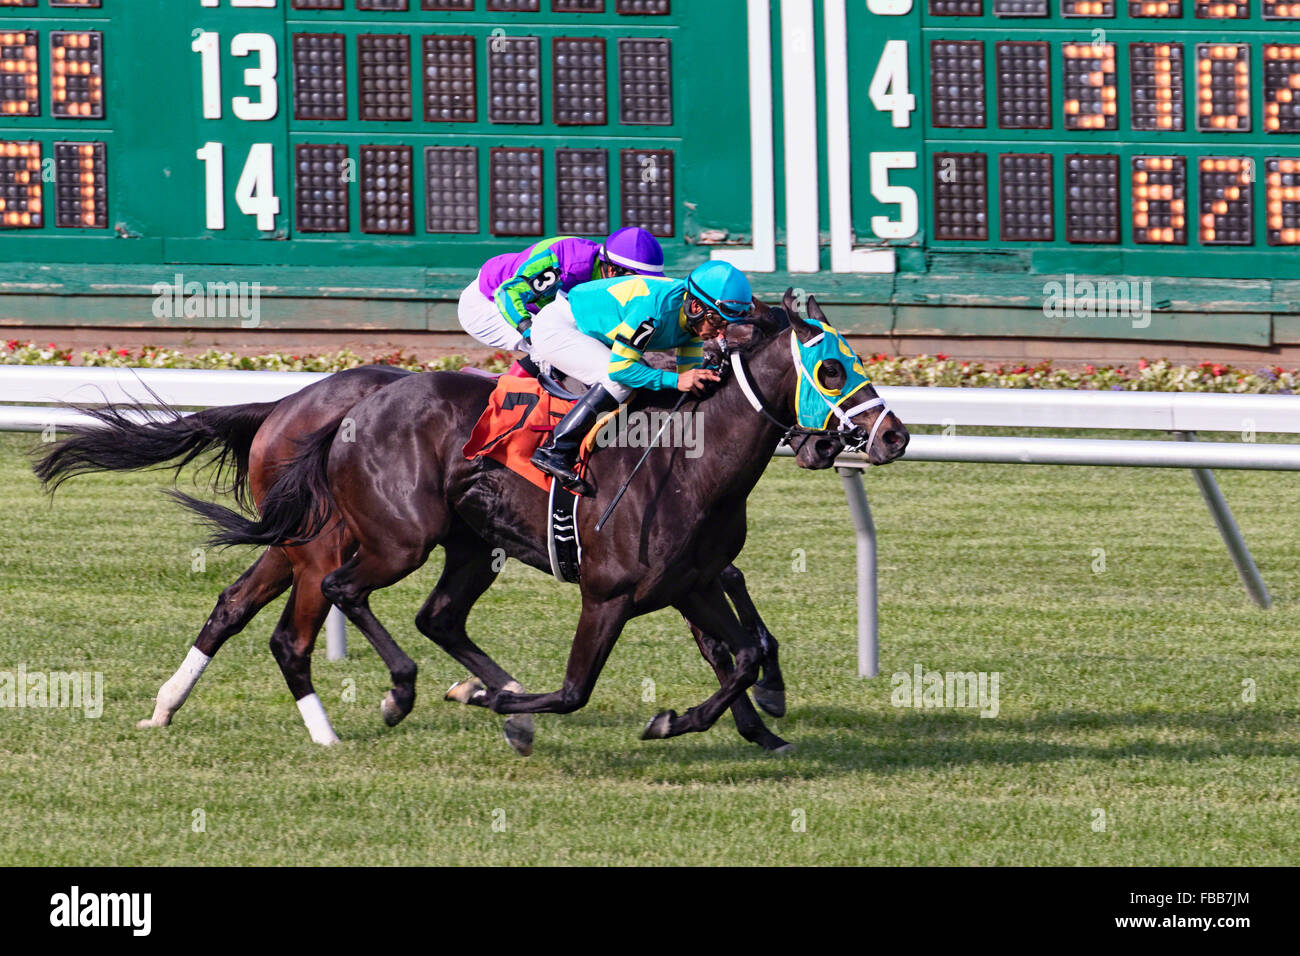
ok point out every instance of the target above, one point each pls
(497, 309)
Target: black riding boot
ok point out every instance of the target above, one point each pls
(558, 456)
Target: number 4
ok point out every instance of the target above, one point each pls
(889, 87)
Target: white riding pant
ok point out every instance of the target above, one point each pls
(557, 340)
(480, 317)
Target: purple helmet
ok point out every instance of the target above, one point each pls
(634, 248)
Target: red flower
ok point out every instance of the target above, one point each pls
(941, 357)
(12, 344)
(1217, 370)
(1142, 363)
(1019, 369)
(124, 352)
(1090, 369)
(52, 346)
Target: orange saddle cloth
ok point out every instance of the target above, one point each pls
(519, 416)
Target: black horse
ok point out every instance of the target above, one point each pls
(252, 443)
(402, 487)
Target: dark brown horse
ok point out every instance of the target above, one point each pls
(402, 487)
(251, 444)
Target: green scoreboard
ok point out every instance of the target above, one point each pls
(904, 158)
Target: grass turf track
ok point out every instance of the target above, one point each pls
(1120, 690)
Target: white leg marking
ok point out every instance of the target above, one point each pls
(318, 725)
(173, 693)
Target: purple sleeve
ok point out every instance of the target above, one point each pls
(577, 259)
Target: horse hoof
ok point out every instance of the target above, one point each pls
(471, 690)
(150, 722)
(519, 733)
(785, 748)
(393, 710)
(770, 702)
(659, 725)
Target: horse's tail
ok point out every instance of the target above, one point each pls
(131, 436)
(295, 509)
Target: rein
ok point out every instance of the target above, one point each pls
(850, 434)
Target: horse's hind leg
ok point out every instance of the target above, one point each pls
(769, 689)
(349, 589)
(708, 608)
(266, 580)
(467, 572)
(748, 722)
(295, 634)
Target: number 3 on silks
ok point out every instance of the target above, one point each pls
(544, 281)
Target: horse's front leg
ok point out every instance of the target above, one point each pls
(769, 689)
(599, 626)
(708, 609)
(748, 722)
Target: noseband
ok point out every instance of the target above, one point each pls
(853, 437)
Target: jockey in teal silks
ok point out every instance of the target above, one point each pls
(600, 332)
(498, 307)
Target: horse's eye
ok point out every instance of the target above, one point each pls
(831, 375)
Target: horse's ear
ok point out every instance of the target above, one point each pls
(815, 310)
(806, 330)
(790, 302)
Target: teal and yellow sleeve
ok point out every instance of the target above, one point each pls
(690, 355)
(627, 365)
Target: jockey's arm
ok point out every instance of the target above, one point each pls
(690, 355)
(537, 278)
(627, 360)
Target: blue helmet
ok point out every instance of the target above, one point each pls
(634, 248)
(723, 288)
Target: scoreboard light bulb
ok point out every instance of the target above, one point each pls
(644, 8)
(578, 82)
(1025, 197)
(386, 191)
(450, 79)
(515, 199)
(319, 76)
(80, 186)
(20, 194)
(956, 8)
(451, 189)
(645, 82)
(1020, 8)
(514, 80)
(582, 191)
(322, 193)
(646, 180)
(960, 182)
(957, 84)
(384, 76)
(1024, 85)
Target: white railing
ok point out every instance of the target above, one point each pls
(45, 388)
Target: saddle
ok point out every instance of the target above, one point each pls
(520, 413)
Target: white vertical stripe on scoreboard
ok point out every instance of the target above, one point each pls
(799, 110)
(761, 257)
(844, 258)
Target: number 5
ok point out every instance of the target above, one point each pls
(903, 196)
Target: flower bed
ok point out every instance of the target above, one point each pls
(1146, 376)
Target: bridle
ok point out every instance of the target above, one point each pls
(853, 437)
